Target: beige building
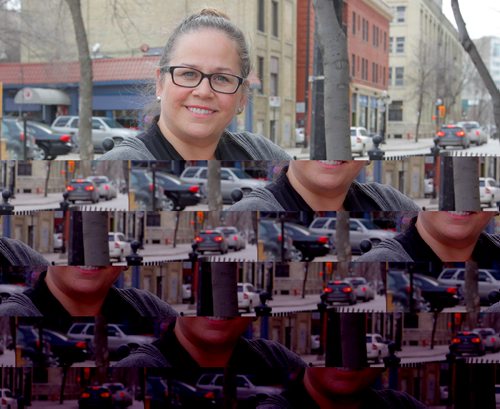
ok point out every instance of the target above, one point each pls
(426, 69)
(132, 28)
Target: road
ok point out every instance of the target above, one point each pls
(491, 148)
(72, 404)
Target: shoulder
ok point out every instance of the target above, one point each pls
(387, 196)
(387, 250)
(146, 303)
(260, 199)
(19, 305)
(258, 147)
(400, 400)
(19, 254)
(131, 148)
(276, 355)
(494, 239)
(146, 356)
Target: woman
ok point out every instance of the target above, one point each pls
(324, 185)
(194, 113)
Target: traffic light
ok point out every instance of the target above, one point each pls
(199, 217)
(442, 111)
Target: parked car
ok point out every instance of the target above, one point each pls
(107, 189)
(488, 281)
(6, 290)
(360, 140)
(310, 244)
(231, 180)
(178, 194)
(474, 131)
(376, 348)
(234, 238)
(211, 240)
(141, 184)
(269, 233)
(119, 246)
(82, 190)
(120, 396)
(58, 242)
(362, 288)
(102, 128)
(300, 137)
(467, 342)
(13, 135)
(359, 230)
(51, 142)
(95, 397)
(118, 338)
(187, 292)
(338, 291)
(489, 192)
(436, 295)
(428, 187)
(452, 135)
(398, 292)
(248, 297)
(7, 400)
(491, 340)
(246, 390)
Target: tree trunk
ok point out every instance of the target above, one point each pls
(472, 294)
(47, 177)
(213, 185)
(342, 241)
(333, 42)
(466, 183)
(101, 348)
(304, 282)
(85, 100)
(471, 49)
(95, 238)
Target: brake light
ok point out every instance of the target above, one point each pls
(194, 189)
(337, 282)
(217, 239)
(493, 339)
(245, 296)
(70, 188)
(476, 340)
(85, 395)
(460, 133)
(21, 136)
(347, 290)
(65, 138)
(117, 245)
(363, 289)
(89, 188)
(105, 395)
(209, 395)
(451, 290)
(122, 394)
(358, 139)
(374, 347)
(328, 290)
(466, 333)
(106, 187)
(455, 341)
(198, 239)
(477, 133)
(81, 344)
(235, 238)
(80, 180)
(440, 133)
(487, 190)
(209, 231)
(150, 187)
(280, 238)
(323, 240)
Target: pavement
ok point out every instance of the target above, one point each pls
(390, 145)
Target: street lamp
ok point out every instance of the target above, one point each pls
(438, 103)
(383, 101)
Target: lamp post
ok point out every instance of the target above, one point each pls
(438, 103)
(384, 100)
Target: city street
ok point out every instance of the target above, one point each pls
(34, 201)
(72, 404)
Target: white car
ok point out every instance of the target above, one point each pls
(376, 348)
(119, 247)
(489, 192)
(248, 297)
(490, 338)
(234, 238)
(7, 401)
(362, 288)
(360, 140)
(58, 242)
(106, 188)
(428, 187)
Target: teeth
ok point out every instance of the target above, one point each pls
(460, 213)
(332, 162)
(218, 318)
(200, 111)
(88, 268)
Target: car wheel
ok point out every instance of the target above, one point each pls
(168, 204)
(95, 200)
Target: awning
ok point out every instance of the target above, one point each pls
(43, 96)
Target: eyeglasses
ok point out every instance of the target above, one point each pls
(190, 78)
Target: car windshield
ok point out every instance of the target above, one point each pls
(300, 229)
(112, 123)
(241, 174)
(368, 224)
(43, 127)
(495, 274)
(319, 223)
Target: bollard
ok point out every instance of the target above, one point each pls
(264, 312)
(134, 260)
(376, 153)
(6, 210)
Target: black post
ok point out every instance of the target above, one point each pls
(447, 190)
(25, 139)
(204, 306)
(376, 153)
(435, 153)
(76, 252)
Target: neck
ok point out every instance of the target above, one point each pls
(205, 355)
(326, 400)
(460, 252)
(78, 307)
(202, 150)
(321, 200)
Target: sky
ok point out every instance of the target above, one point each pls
(481, 16)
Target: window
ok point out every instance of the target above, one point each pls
(353, 23)
(400, 45)
(391, 43)
(153, 219)
(366, 27)
(24, 169)
(384, 73)
(260, 73)
(375, 37)
(396, 111)
(400, 14)
(399, 76)
(390, 76)
(353, 65)
(374, 72)
(364, 69)
(275, 18)
(261, 16)
(274, 79)
(385, 41)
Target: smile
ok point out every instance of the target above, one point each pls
(200, 111)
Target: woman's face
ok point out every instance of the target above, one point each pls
(454, 229)
(199, 115)
(324, 176)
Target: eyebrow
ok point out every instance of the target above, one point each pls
(217, 69)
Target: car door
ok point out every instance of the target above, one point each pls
(99, 133)
(356, 233)
(227, 183)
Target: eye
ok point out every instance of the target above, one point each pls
(223, 79)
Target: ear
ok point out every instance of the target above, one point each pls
(242, 101)
(159, 81)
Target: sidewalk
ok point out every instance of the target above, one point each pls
(36, 199)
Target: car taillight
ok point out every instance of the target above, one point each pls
(408, 290)
(85, 395)
(81, 344)
(21, 136)
(106, 187)
(451, 290)
(105, 395)
(328, 290)
(89, 188)
(150, 187)
(209, 395)
(486, 190)
(245, 296)
(70, 188)
(476, 340)
(477, 133)
(117, 245)
(280, 238)
(323, 240)
(217, 239)
(358, 139)
(492, 339)
(455, 341)
(194, 189)
(347, 290)
(121, 394)
(363, 289)
(198, 239)
(460, 133)
(65, 138)
(235, 238)
(440, 133)
(374, 347)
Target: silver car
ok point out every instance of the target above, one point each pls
(234, 238)
(362, 288)
(107, 189)
(474, 131)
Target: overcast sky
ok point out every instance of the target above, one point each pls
(481, 16)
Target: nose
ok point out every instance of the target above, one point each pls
(203, 88)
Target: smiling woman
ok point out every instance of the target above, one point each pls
(195, 113)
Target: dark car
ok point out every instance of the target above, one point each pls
(436, 295)
(82, 189)
(452, 135)
(310, 244)
(172, 393)
(141, 184)
(338, 291)
(178, 194)
(211, 240)
(13, 135)
(273, 243)
(51, 142)
(121, 396)
(32, 351)
(467, 342)
(95, 397)
(66, 350)
(399, 290)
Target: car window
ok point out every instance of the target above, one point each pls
(495, 274)
(203, 174)
(460, 275)
(189, 172)
(205, 380)
(96, 124)
(225, 175)
(219, 381)
(363, 132)
(447, 274)
(120, 237)
(250, 288)
(112, 123)
(318, 223)
(368, 224)
(76, 329)
(75, 123)
(61, 121)
(241, 174)
(298, 229)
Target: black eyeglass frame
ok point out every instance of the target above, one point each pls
(171, 69)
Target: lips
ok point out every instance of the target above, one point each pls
(197, 110)
(331, 164)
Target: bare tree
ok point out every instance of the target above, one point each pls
(213, 185)
(333, 43)
(471, 49)
(343, 243)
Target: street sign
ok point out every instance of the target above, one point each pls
(274, 102)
